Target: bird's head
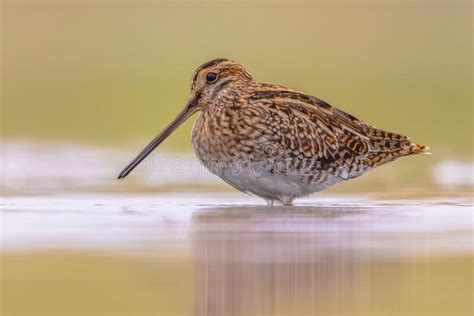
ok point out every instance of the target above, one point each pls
(210, 81)
(215, 79)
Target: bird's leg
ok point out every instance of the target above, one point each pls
(287, 201)
(270, 202)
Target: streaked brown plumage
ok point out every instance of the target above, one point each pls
(276, 142)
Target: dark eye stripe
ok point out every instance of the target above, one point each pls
(224, 82)
(205, 66)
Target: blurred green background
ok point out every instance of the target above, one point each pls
(106, 72)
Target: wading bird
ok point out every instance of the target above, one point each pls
(274, 142)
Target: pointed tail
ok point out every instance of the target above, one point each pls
(418, 149)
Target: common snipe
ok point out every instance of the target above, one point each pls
(276, 142)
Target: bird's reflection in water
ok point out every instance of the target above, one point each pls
(274, 261)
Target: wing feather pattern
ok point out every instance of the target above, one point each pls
(342, 140)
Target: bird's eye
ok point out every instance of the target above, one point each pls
(211, 77)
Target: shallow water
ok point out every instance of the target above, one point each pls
(134, 220)
(228, 254)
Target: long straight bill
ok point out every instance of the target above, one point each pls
(188, 110)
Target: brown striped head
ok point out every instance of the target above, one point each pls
(216, 78)
(210, 81)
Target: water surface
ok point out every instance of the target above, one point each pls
(228, 254)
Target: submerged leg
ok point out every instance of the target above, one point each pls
(287, 200)
(270, 202)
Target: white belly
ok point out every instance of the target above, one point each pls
(274, 187)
